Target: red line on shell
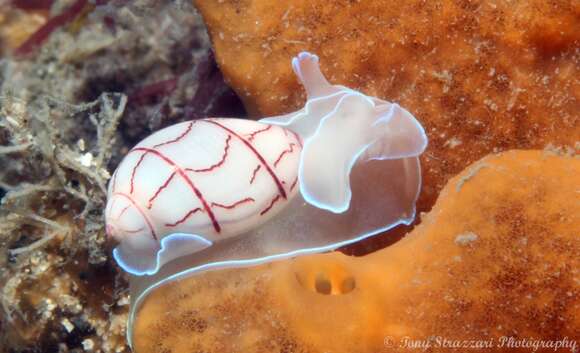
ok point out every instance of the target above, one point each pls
(150, 203)
(122, 212)
(110, 207)
(274, 200)
(135, 169)
(133, 231)
(182, 173)
(294, 184)
(253, 134)
(114, 181)
(229, 207)
(290, 150)
(255, 173)
(187, 130)
(197, 209)
(218, 164)
(297, 137)
(128, 197)
(258, 155)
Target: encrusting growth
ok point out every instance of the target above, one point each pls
(494, 258)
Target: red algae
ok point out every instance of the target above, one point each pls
(50, 26)
(33, 5)
(152, 90)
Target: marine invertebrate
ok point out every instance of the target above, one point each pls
(496, 257)
(197, 183)
(481, 79)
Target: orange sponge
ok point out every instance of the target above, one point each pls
(480, 77)
(496, 261)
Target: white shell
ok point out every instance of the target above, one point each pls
(210, 179)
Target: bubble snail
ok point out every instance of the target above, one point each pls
(217, 193)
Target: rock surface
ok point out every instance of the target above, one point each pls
(498, 256)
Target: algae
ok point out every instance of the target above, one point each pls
(71, 105)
